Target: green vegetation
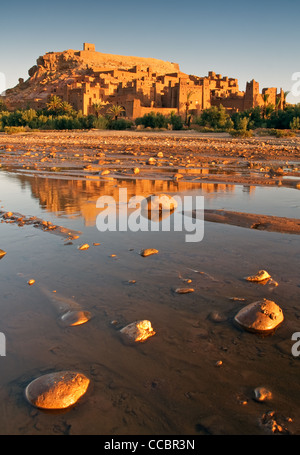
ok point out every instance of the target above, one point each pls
(295, 123)
(215, 118)
(115, 110)
(60, 115)
(159, 121)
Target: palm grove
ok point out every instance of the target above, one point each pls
(60, 115)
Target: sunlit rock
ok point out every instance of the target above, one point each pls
(2, 253)
(262, 394)
(138, 331)
(272, 422)
(73, 318)
(184, 290)
(57, 390)
(85, 246)
(151, 161)
(261, 316)
(262, 275)
(148, 252)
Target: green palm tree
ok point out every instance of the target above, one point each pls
(115, 110)
(97, 107)
(269, 110)
(265, 97)
(278, 101)
(54, 103)
(66, 107)
(285, 94)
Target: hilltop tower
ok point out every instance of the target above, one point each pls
(89, 47)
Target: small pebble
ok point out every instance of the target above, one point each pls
(262, 394)
(215, 316)
(85, 246)
(261, 275)
(138, 331)
(2, 253)
(184, 290)
(148, 252)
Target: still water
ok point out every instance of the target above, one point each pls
(170, 384)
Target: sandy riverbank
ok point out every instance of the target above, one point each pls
(187, 155)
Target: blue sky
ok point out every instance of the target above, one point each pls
(255, 40)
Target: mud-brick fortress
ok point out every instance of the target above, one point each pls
(139, 85)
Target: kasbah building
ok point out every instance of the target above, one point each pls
(139, 85)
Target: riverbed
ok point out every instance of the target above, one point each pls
(198, 374)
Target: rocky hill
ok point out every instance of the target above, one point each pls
(55, 69)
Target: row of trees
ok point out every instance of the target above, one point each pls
(217, 118)
(61, 115)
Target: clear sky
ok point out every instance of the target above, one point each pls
(248, 40)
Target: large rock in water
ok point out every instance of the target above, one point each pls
(57, 390)
(262, 316)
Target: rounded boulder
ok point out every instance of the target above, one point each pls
(58, 390)
(261, 316)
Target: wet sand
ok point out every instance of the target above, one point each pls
(197, 375)
(253, 221)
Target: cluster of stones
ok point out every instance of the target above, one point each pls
(262, 316)
(47, 226)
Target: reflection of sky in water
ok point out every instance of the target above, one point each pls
(283, 202)
(77, 200)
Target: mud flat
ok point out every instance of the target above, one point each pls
(253, 221)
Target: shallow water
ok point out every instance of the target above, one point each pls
(170, 384)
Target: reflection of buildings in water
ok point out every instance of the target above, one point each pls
(79, 197)
(249, 188)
